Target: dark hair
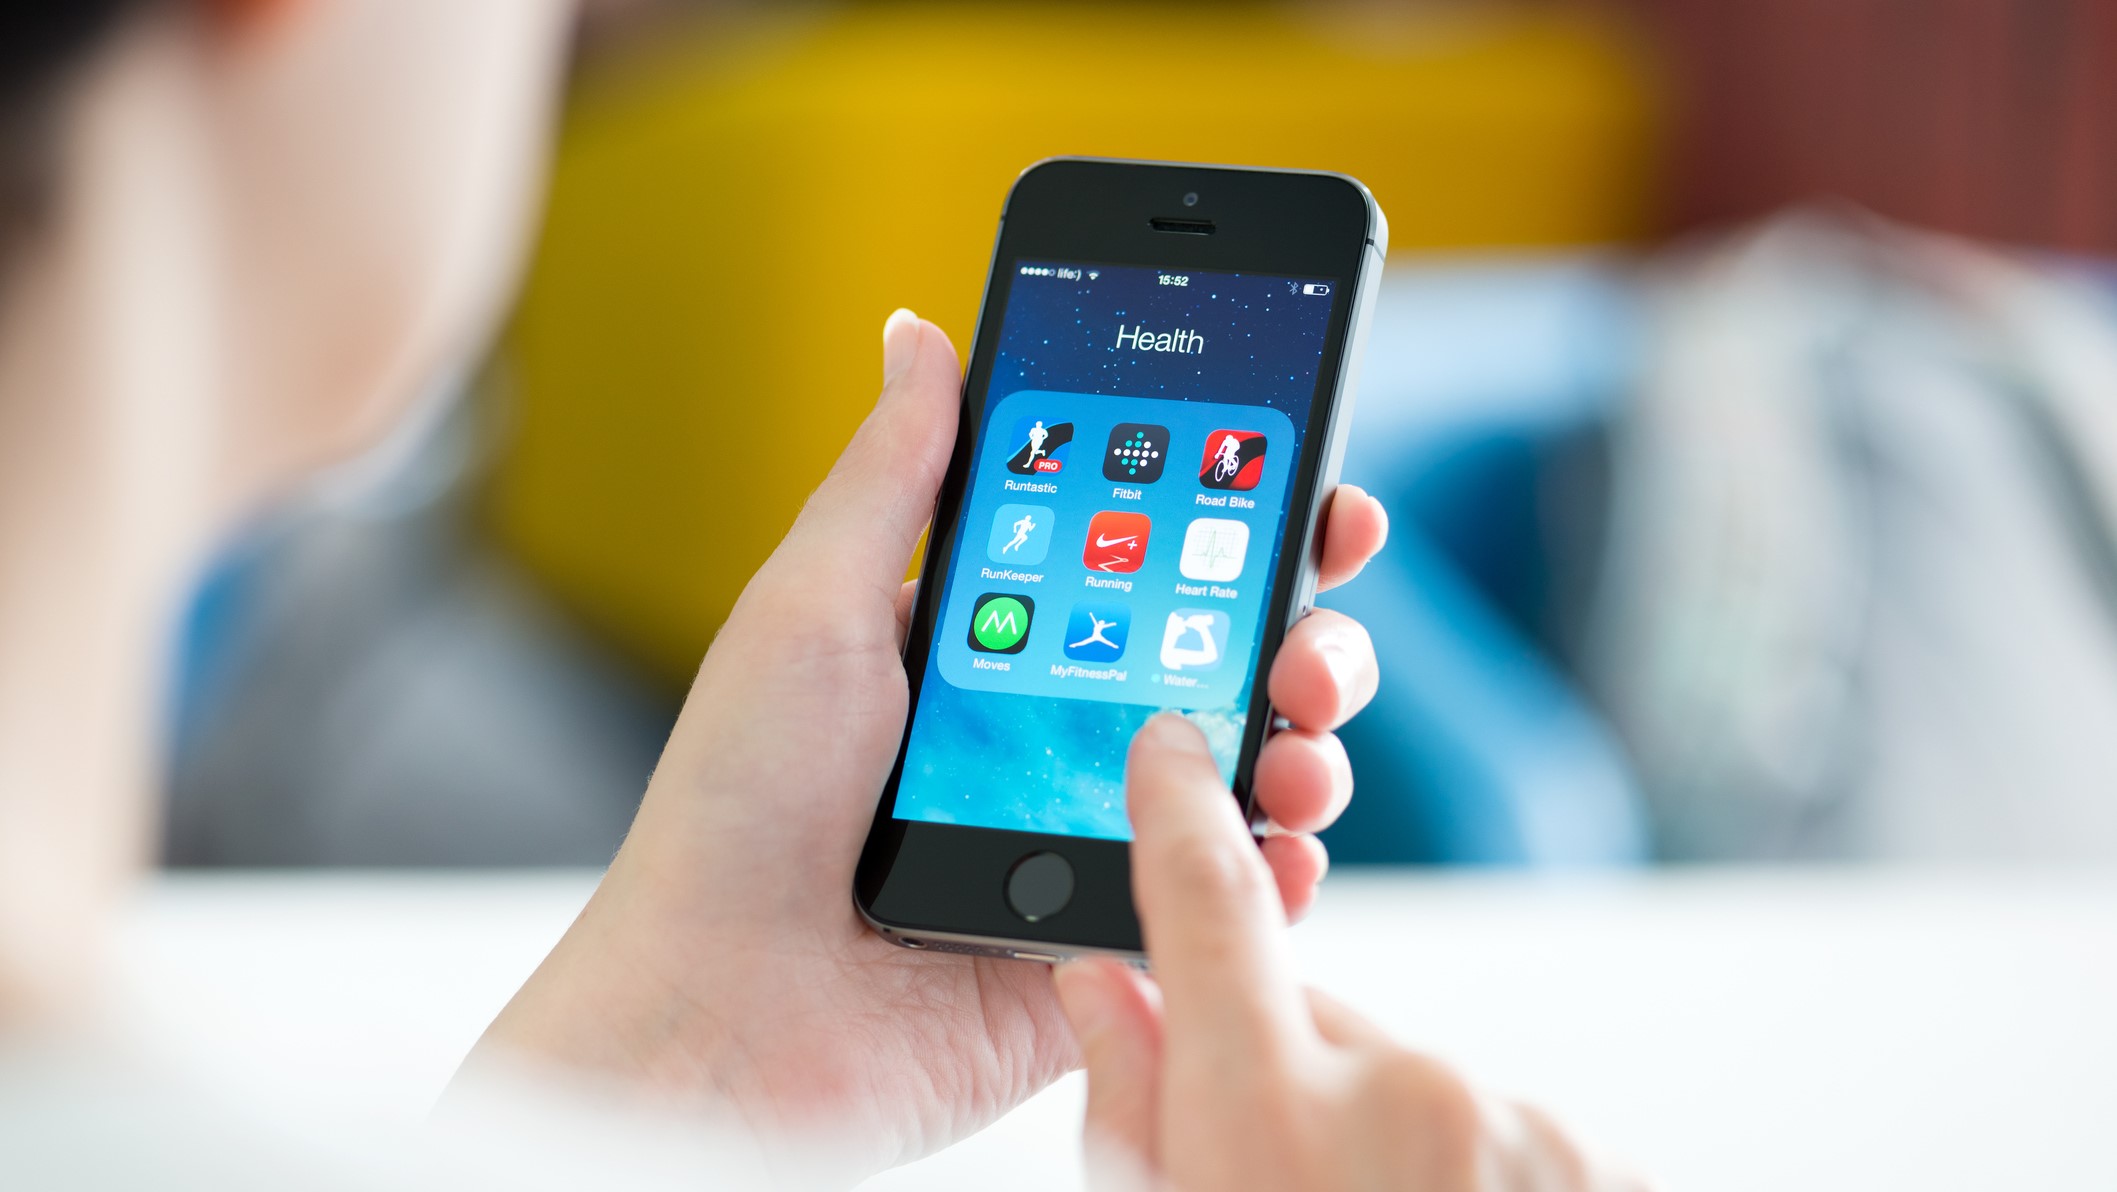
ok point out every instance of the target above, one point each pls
(39, 41)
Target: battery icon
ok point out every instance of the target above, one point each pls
(1316, 288)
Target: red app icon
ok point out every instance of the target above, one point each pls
(1234, 459)
(1117, 541)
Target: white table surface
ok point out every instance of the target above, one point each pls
(1852, 1029)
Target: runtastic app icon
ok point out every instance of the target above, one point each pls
(1037, 446)
(1096, 632)
(1234, 459)
(1213, 549)
(1117, 541)
(999, 623)
(1020, 534)
(1194, 639)
(1136, 452)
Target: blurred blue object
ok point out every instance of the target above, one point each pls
(366, 685)
(1486, 388)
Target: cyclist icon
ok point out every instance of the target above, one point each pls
(1228, 459)
(1233, 459)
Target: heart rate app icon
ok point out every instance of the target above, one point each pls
(1233, 459)
(1213, 549)
(1117, 541)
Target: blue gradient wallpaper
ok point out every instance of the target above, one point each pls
(1119, 538)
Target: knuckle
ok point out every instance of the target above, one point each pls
(1214, 869)
(1448, 1143)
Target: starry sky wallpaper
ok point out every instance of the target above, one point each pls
(992, 742)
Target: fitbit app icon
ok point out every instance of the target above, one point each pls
(1136, 452)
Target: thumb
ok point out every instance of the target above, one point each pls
(1116, 1016)
(861, 524)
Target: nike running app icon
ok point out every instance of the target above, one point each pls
(1117, 541)
(999, 623)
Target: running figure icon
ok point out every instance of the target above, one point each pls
(1021, 534)
(1022, 527)
(1038, 447)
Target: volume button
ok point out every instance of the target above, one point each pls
(1305, 598)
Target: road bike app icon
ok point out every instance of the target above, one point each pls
(1194, 639)
(1136, 452)
(1097, 632)
(1037, 446)
(1213, 549)
(1021, 534)
(999, 623)
(1233, 459)
(1117, 541)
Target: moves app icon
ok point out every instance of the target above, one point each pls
(1117, 541)
(999, 623)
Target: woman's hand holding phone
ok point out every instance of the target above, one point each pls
(722, 955)
(1221, 1072)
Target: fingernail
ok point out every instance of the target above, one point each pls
(1341, 656)
(900, 343)
(1169, 730)
(1081, 992)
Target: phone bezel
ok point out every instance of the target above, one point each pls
(944, 884)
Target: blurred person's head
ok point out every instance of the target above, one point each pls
(237, 237)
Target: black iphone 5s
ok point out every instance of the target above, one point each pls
(1154, 411)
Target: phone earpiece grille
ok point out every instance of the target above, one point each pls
(1182, 227)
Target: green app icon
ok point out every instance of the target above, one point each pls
(999, 623)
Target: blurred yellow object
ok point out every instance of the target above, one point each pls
(733, 216)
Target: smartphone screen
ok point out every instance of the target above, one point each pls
(1120, 535)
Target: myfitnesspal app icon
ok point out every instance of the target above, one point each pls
(1096, 632)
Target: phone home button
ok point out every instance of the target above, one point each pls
(1039, 886)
